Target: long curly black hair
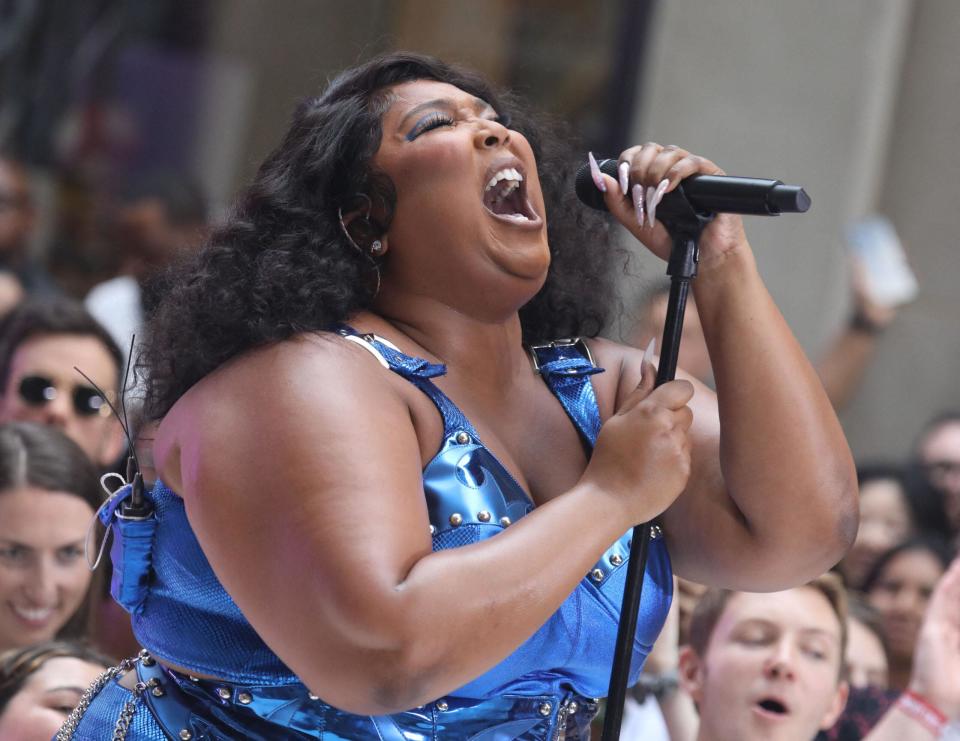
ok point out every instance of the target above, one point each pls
(281, 264)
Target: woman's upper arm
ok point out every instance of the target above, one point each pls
(707, 535)
(306, 496)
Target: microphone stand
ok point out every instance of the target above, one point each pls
(685, 224)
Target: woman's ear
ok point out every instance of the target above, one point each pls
(363, 233)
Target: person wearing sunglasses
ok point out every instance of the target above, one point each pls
(42, 344)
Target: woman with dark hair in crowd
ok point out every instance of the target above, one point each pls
(899, 587)
(887, 518)
(41, 684)
(319, 569)
(48, 496)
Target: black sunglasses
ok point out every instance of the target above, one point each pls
(87, 401)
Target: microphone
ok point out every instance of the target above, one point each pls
(709, 194)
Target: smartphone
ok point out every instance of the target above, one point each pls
(888, 279)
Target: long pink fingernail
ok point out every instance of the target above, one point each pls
(662, 188)
(651, 206)
(646, 362)
(648, 353)
(624, 171)
(595, 173)
(637, 192)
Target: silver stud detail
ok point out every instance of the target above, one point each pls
(545, 709)
(192, 678)
(655, 532)
(153, 682)
(433, 530)
(442, 706)
(572, 707)
(245, 698)
(146, 659)
(157, 692)
(463, 438)
(185, 734)
(505, 521)
(224, 693)
(313, 696)
(597, 574)
(483, 516)
(616, 559)
(456, 519)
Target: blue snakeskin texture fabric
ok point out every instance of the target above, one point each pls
(544, 687)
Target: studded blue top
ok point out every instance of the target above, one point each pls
(182, 614)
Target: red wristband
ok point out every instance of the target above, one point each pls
(921, 710)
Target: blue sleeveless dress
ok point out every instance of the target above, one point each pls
(181, 613)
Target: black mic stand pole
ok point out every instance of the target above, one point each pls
(684, 224)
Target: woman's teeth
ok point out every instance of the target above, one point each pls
(34, 615)
(507, 173)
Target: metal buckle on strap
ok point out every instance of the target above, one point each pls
(366, 342)
(575, 342)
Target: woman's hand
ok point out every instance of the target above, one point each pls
(642, 455)
(646, 173)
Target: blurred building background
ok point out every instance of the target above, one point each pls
(854, 100)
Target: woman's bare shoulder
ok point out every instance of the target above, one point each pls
(311, 381)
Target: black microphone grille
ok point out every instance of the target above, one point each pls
(586, 190)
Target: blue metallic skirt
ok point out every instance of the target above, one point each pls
(170, 705)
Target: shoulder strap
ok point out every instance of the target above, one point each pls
(566, 366)
(419, 372)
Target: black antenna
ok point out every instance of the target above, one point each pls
(138, 507)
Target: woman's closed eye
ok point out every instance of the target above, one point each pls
(428, 122)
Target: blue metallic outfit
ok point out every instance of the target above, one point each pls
(182, 614)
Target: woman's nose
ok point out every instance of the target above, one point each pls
(909, 601)
(43, 584)
(491, 134)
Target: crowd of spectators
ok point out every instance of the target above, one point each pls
(63, 361)
(736, 666)
(854, 654)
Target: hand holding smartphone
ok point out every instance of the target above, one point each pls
(888, 280)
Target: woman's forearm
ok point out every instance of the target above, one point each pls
(784, 458)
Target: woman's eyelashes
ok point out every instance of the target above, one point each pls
(437, 119)
(428, 122)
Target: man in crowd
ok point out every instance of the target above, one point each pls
(767, 666)
(163, 216)
(41, 344)
(938, 452)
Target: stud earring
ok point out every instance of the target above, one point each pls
(376, 249)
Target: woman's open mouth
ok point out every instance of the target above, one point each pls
(505, 196)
